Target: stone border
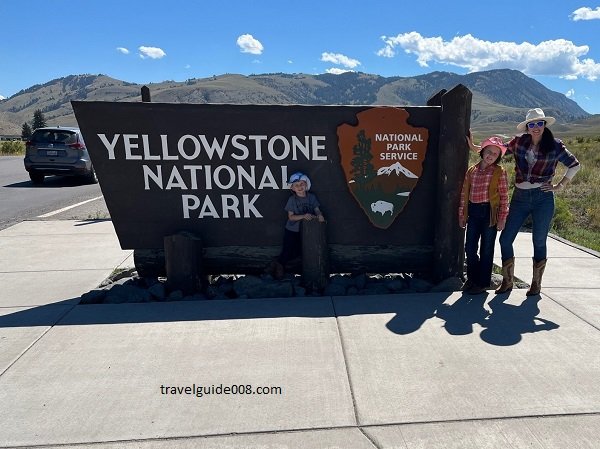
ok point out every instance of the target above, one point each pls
(126, 287)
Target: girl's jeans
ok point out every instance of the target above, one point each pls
(524, 202)
(479, 267)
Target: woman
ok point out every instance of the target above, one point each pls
(536, 153)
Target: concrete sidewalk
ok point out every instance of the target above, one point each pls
(439, 370)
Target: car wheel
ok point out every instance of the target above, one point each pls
(36, 178)
(91, 177)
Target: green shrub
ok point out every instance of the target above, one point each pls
(562, 215)
(12, 147)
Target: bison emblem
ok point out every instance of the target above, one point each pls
(382, 207)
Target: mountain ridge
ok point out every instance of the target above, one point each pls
(499, 96)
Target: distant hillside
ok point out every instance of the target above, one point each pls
(500, 97)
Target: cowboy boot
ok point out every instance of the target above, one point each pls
(508, 276)
(536, 282)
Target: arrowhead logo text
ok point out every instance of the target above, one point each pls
(382, 157)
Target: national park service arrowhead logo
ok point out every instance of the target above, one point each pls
(382, 157)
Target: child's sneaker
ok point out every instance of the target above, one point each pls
(468, 285)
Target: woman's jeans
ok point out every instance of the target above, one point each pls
(524, 202)
(479, 267)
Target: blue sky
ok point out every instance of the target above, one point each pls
(557, 42)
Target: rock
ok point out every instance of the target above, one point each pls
(352, 291)
(158, 291)
(496, 280)
(375, 289)
(360, 281)
(127, 273)
(127, 286)
(226, 289)
(126, 293)
(419, 285)
(339, 279)
(281, 289)
(451, 284)
(176, 295)
(250, 286)
(211, 292)
(95, 296)
(105, 283)
(396, 285)
(124, 281)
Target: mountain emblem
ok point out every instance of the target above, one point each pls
(382, 157)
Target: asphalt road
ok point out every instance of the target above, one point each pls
(20, 200)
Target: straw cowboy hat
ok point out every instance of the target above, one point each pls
(533, 115)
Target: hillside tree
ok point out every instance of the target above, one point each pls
(26, 131)
(39, 121)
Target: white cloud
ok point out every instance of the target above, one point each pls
(558, 57)
(2, 97)
(586, 13)
(290, 61)
(151, 52)
(248, 44)
(336, 71)
(187, 66)
(340, 59)
(570, 93)
(123, 50)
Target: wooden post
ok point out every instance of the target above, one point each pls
(315, 256)
(448, 254)
(183, 262)
(146, 94)
(436, 100)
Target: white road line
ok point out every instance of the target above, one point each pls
(49, 214)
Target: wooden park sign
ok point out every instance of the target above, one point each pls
(388, 178)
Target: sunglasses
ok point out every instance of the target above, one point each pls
(539, 124)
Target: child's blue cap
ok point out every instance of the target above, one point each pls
(299, 176)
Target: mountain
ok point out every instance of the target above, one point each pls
(500, 97)
(398, 168)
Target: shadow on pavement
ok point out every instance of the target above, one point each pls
(507, 323)
(51, 182)
(460, 317)
(503, 324)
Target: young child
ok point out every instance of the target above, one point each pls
(483, 210)
(301, 205)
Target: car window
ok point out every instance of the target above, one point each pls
(54, 136)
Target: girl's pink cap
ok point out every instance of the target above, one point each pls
(494, 141)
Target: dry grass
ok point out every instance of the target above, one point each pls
(12, 148)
